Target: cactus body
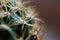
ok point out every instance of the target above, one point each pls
(18, 25)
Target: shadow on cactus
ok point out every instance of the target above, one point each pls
(16, 21)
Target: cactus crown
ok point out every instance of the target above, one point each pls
(17, 21)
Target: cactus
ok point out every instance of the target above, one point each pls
(16, 21)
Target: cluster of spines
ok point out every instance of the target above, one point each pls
(17, 20)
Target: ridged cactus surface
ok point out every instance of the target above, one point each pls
(16, 22)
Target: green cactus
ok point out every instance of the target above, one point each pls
(15, 24)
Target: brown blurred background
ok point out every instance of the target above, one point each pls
(49, 12)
